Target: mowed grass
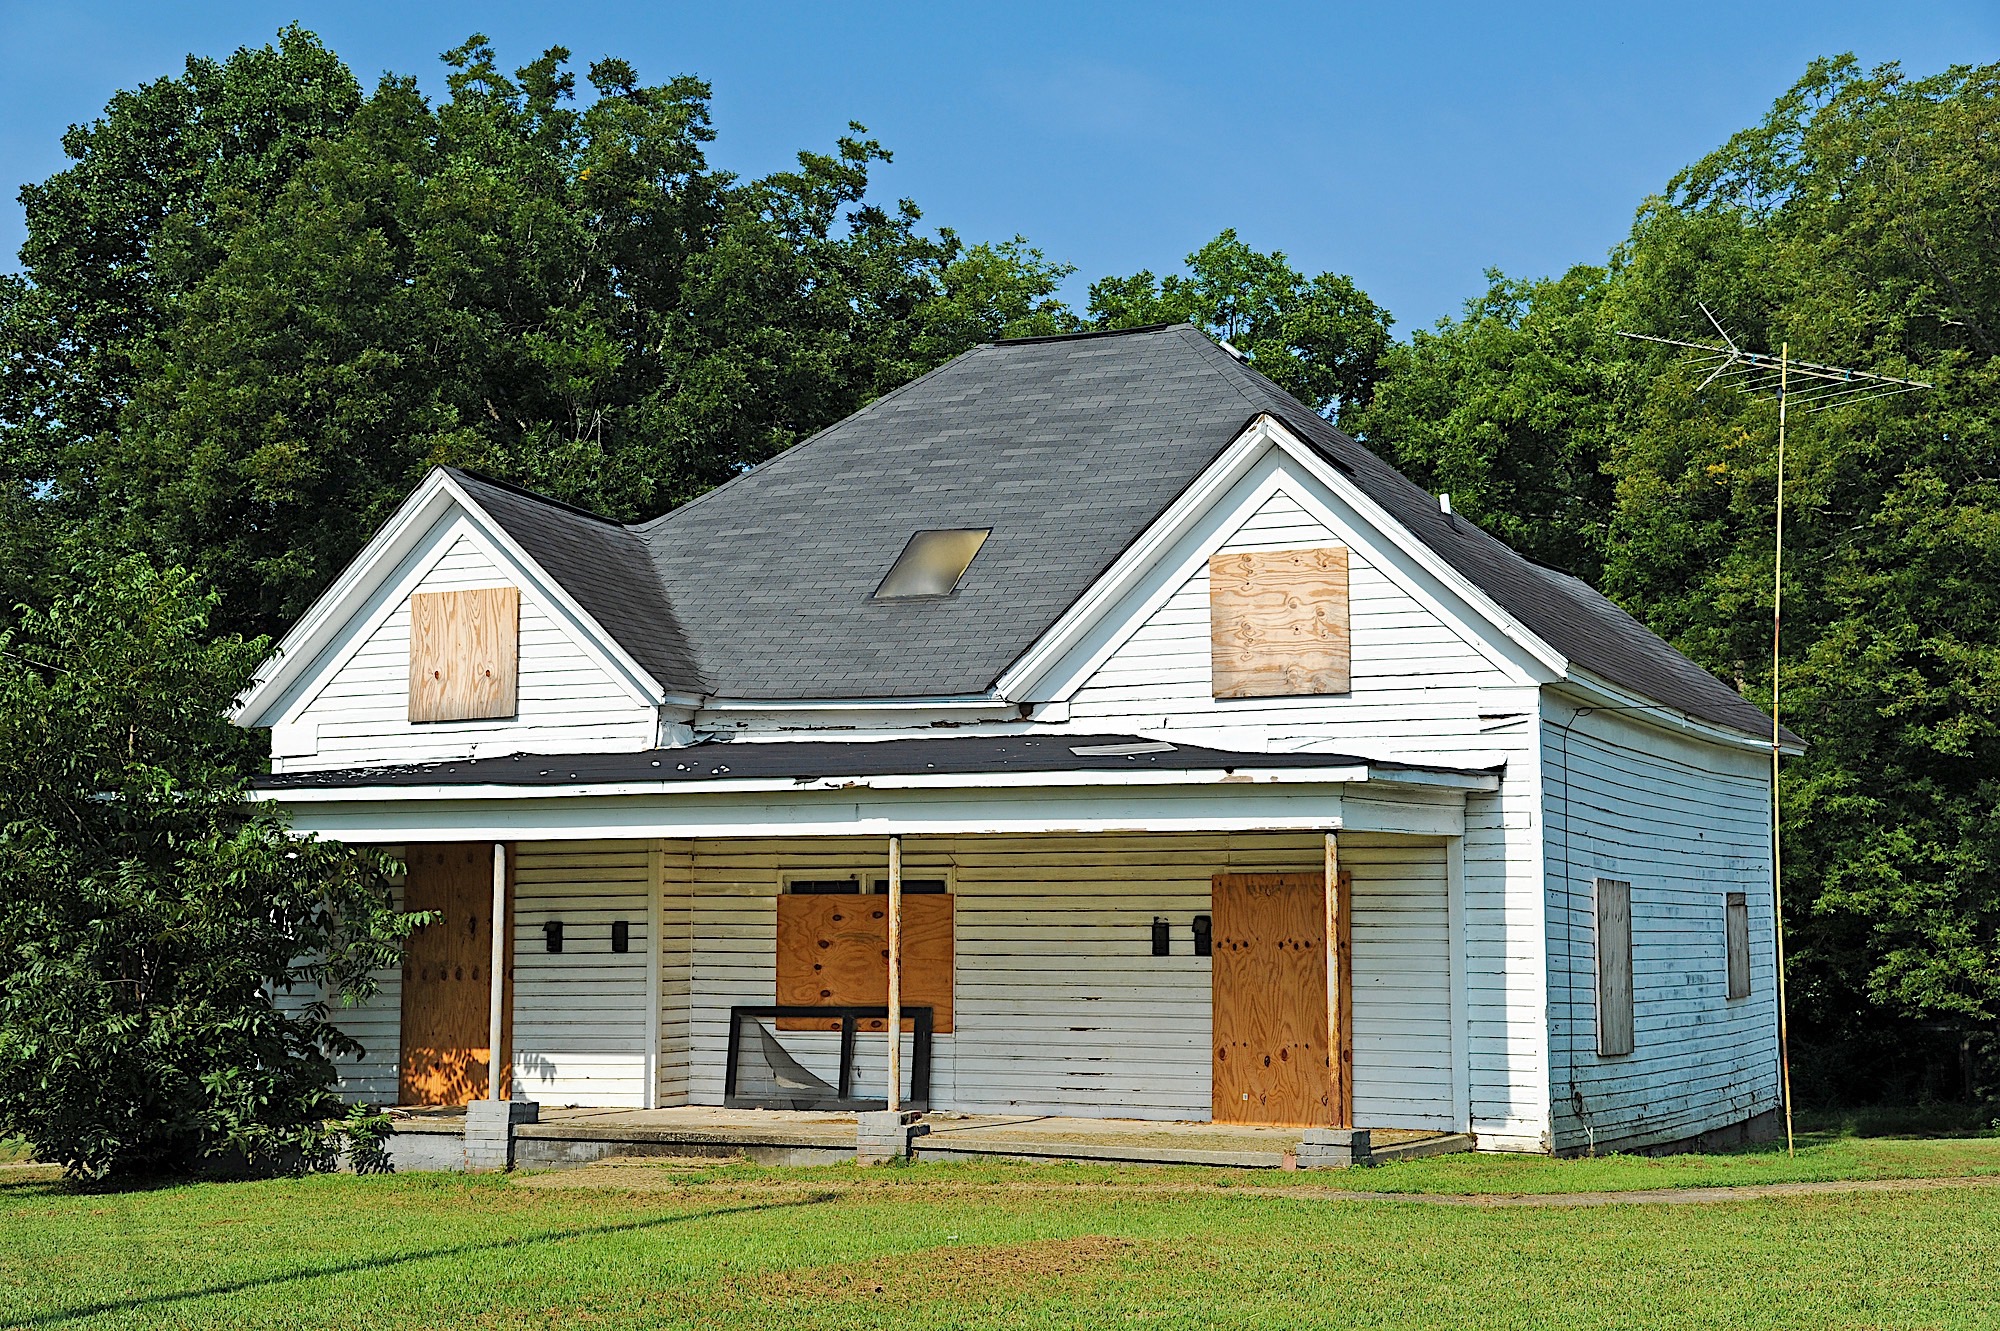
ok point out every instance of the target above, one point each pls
(942, 1246)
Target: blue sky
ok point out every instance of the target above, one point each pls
(1412, 146)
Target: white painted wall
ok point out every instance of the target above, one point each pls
(1059, 1004)
(377, 1024)
(1426, 688)
(358, 715)
(581, 1015)
(1685, 822)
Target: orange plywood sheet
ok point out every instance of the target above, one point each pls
(446, 975)
(834, 950)
(1279, 623)
(465, 650)
(1270, 1001)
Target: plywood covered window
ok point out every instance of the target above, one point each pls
(833, 948)
(1736, 935)
(465, 651)
(1613, 909)
(1278, 622)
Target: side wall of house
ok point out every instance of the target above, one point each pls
(1422, 691)
(1059, 1005)
(1685, 822)
(359, 715)
(376, 1023)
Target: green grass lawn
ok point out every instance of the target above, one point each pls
(939, 1246)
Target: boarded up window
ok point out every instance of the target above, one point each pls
(465, 652)
(1736, 928)
(1614, 967)
(833, 951)
(1278, 622)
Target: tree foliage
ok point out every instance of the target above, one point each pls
(1857, 224)
(245, 360)
(1321, 339)
(150, 918)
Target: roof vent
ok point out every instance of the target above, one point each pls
(1226, 346)
(1444, 503)
(932, 563)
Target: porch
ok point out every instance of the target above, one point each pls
(1251, 940)
(568, 1137)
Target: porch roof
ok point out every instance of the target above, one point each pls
(816, 762)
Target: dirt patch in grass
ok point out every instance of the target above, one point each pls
(950, 1274)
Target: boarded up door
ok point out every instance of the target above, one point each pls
(1270, 996)
(446, 974)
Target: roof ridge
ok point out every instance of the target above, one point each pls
(644, 529)
(1084, 333)
(524, 492)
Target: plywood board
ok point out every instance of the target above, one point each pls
(1614, 967)
(1270, 1000)
(1736, 933)
(1278, 622)
(465, 650)
(447, 976)
(834, 951)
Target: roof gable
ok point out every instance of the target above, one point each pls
(1069, 450)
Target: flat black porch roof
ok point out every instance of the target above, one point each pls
(816, 760)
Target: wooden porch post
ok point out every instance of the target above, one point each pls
(1339, 987)
(895, 973)
(497, 975)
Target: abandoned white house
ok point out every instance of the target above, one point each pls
(1231, 776)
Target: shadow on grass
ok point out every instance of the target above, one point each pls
(151, 1301)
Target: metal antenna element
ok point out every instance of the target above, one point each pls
(1755, 372)
(1827, 386)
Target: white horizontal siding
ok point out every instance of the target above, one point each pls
(371, 1076)
(567, 703)
(1421, 691)
(1059, 1004)
(1685, 823)
(581, 1015)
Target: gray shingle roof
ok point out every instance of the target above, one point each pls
(1068, 448)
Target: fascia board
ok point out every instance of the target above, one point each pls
(1287, 776)
(1197, 532)
(983, 706)
(1022, 679)
(1586, 691)
(303, 643)
(1378, 518)
(435, 515)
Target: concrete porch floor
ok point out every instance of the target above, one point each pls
(576, 1136)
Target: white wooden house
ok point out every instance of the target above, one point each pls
(1244, 780)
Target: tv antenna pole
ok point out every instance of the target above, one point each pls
(1825, 387)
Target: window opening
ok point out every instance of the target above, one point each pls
(932, 563)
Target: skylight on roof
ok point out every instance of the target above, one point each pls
(932, 563)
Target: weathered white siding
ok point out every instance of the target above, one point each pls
(676, 980)
(1059, 1004)
(1686, 823)
(1422, 691)
(377, 1024)
(360, 715)
(581, 1015)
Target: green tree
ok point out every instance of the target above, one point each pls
(1856, 223)
(151, 919)
(565, 295)
(1511, 410)
(1320, 339)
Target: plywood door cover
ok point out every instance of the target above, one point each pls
(1270, 1000)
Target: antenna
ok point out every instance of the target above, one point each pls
(1827, 386)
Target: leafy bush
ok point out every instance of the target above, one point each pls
(152, 914)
